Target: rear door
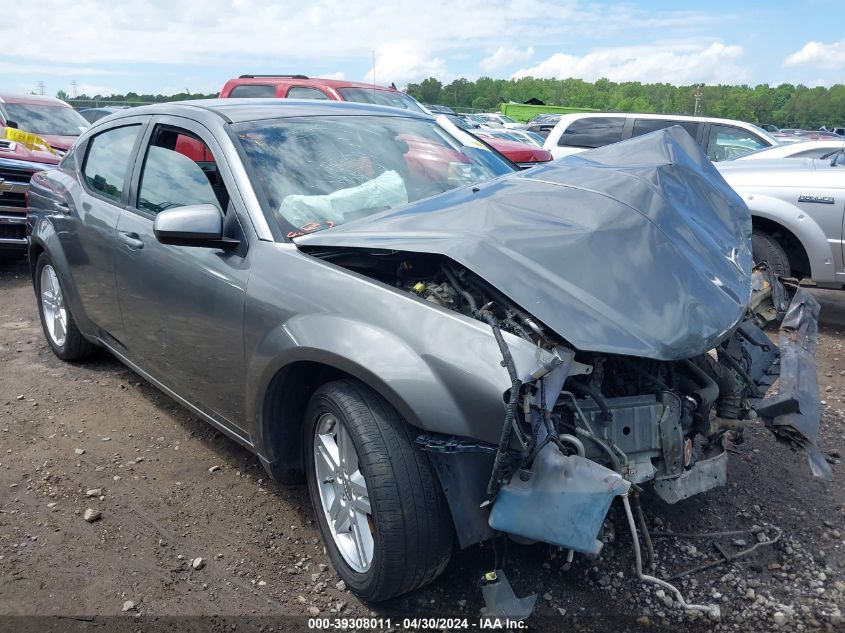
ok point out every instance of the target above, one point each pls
(183, 306)
(86, 218)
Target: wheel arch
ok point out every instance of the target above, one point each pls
(803, 239)
(44, 240)
(285, 399)
(795, 251)
(433, 389)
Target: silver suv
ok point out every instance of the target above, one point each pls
(721, 139)
(797, 208)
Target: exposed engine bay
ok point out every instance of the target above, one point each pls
(646, 419)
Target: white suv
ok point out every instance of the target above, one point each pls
(721, 139)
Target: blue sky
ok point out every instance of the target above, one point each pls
(168, 46)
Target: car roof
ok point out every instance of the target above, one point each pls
(567, 118)
(653, 115)
(32, 100)
(301, 80)
(241, 110)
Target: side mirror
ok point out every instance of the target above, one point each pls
(12, 124)
(193, 225)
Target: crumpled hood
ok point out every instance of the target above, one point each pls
(637, 248)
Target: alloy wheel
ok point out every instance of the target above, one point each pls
(343, 492)
(53, 306)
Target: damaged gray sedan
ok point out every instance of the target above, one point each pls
(445, 348)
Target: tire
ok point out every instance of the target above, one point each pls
(764, 248)
(72, 345)
(410, 526)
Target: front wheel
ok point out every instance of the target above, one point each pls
(60, 329)
(765, 248)
(380, 509)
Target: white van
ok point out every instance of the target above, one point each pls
(721, 139)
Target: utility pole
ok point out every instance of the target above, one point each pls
(697, 109)
(41, 88)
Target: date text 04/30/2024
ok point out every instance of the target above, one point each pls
(483, 623)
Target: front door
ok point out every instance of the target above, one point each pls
(183, 306)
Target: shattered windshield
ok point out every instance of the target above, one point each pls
(318, 172)
(47, 119)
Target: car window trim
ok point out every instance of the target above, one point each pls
(236, 203)
(84, 146)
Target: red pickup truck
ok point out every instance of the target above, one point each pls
(35, 132)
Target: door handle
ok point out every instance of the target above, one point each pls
(131, 240)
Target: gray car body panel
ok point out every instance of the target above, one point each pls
(782, 191)
(638, 248)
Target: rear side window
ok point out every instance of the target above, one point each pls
(253, 90)
(304, 92)
(644, 126)
(107, 160)
(727, 142)
(592, 132)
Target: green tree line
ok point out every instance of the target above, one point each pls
(785, 105)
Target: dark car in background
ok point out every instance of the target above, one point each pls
(92, 115)
(443, 347)
(542, 124)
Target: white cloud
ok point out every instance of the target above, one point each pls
(336, 75)
(404, 62)
(506, 56)
(673, 62)
(208, 31)
(820, 55)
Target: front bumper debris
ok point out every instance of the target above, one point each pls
(706, 474)
(794, 414)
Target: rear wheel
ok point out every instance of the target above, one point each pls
(765, 248)
(380, 509)
(60, 329)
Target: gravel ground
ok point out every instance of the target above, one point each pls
(115, 500)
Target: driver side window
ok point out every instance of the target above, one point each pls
(179, 170)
